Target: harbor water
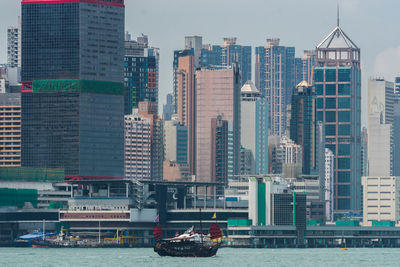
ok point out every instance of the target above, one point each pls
(225, 257)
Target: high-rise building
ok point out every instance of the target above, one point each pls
(275, 78)
(329, 181)
(66, 126)
(227, 54)
(396, 136)
(337, 80)
(254, 126)
(217, 93)
(10, 130)
(14, 46)
(137, 147)
(380, 121)
(298, 62)
(287, 158)
(219, 152)
(309, 60)
(176, 142)
(168, 108)
(74, 118)
(59, 40)
(364, 152)
(185, 98)
(304, 128)
(141, 72)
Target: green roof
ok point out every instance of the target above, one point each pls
(31, 174)
(78, 86)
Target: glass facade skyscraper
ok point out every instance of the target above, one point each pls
(60, 41)
(337, 80)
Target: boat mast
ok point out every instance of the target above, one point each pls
(44, 229)
(99, 233)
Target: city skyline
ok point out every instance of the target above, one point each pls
(361, 19)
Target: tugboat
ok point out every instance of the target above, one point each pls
(189, 244)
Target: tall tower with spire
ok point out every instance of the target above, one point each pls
(337, 80)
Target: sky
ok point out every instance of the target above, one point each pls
(372, 24)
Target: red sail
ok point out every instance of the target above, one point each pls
(215, 231)
(157, 232)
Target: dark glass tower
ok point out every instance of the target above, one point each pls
(337, 80)
(72, 60)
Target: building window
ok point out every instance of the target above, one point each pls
(344, 102)
(330, 130)
(344, 177)
(344, 74)
(344, 130)
(344, 116)
(330, 116)
(330, 74)
(330, 89)
(344, 163)
(330, 103)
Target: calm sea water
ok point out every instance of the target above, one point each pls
(225, 257)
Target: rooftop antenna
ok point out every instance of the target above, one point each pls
(338, 17)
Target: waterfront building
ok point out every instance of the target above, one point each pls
(14, 45)
(381, 199)
(380, 120)
(61, 43)
(337, 80)
(329, 182)
(396, 136)
(141, 72)
(219, 152)
(254, 126)
(10, 130)
(168, 108)
(73, 95)
(217, 93)
(275, 78)
(65, 125)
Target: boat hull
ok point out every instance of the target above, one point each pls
(185, 250)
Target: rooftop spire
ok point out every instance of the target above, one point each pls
(338, 17)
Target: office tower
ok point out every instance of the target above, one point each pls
(286, 158)
(254, 127)
(10, 128)
(309, 60)
(168, 108)
(186, 104)
(141, 72)
(304, 126)
(337, 77)
(219, 152)
(60, 42)
(329, 182)
(380, 121)
(396, 136)
(381, 200)
(176, 142)
(194, 43)
(67, 126)
(73, 117)
(275, 78)
(14, 46)
(217, 93)
(137, 146)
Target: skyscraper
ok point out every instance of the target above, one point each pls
(14, 46)
(337, 79)
(254, 127)
(309, 60)
(380, 121)
(304, 129)
(217, 94)
(275, 78)
(168, 108)
(141, 72)
(397, 85)
(74, 118)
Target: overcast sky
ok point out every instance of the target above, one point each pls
(372, 24)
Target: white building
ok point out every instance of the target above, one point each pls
(287, 158)
(254, 127)
(380, 120)
(381, 199)
(138, 138)
(14, 46)
(329, 181)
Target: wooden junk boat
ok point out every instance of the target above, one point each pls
(189, 244)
